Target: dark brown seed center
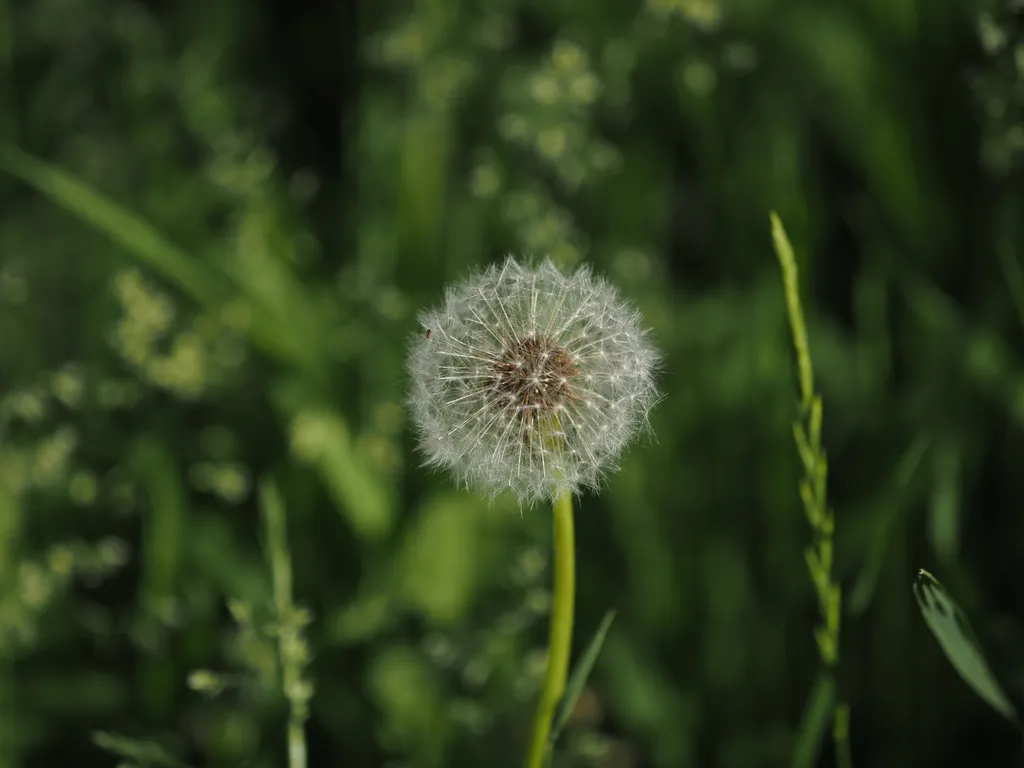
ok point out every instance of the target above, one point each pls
(533, 376)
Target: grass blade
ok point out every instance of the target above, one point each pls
(893, 500)
(164, 533)
(944, 513)
(958, 642)
(146, 754)
(122, 226)
(321, 437)
(578, 678)
(207, 284)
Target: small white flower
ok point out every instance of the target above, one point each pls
(530, 380)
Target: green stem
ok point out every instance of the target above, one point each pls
(841, 736)
(289, 637)
(813, 492)
(560, 637)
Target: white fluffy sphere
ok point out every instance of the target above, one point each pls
(530, 380)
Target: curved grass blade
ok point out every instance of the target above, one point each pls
(358, 492)
(207, 284)
(578, 678)
(132, 233)
(146, 754)
(956, 638)
(894, 501)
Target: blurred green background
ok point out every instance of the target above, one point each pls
(217, 224)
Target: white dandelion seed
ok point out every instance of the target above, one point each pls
(530, 380)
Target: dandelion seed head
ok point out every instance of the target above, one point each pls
(530, 380)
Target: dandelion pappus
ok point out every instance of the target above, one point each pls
(536, 381)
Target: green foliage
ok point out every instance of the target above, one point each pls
(217, 225)
(956, 638)
(135, 753)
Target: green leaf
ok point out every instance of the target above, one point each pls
(578, 678)
(957, 640)
(165, 531)
(207, 283)
(440, 560)
(944, 512)
(165, 523)
(135, 235)
(141, 753)
(892, 502)
(321, 437)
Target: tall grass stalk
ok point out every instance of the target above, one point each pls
(813, 494)
(292, 649)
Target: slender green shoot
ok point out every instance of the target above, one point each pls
(135, 752)
(813, 494)
(293, 652)
(578, 678)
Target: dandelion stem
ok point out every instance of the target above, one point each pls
(560, 637)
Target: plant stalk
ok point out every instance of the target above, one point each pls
(289, 637)
(560, 636)
(814, 495)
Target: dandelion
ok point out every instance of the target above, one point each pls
(533, 381)
(530, 380)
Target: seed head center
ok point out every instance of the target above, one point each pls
(533, 375)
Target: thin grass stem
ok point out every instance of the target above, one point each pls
(291, 645)
(814, 495)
